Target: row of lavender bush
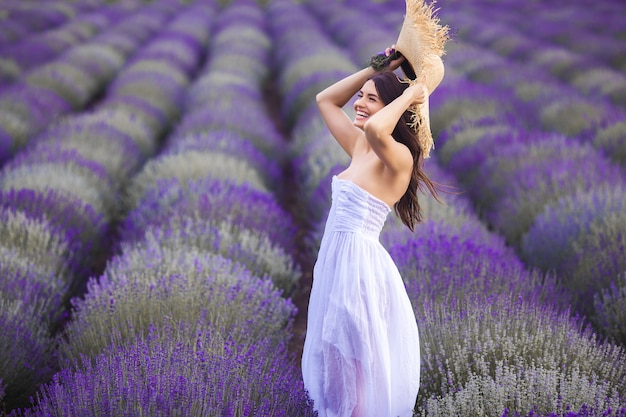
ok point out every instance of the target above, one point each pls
(191, 309)
(24, 19)
(31, 51)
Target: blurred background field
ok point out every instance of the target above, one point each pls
(165, 178)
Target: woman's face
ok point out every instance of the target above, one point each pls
(367, 103)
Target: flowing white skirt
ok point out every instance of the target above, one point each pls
(361, 355)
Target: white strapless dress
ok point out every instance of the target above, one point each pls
(361, 353)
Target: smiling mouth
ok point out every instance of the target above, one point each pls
(361, 114)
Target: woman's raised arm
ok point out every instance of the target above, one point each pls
(331, 101)
(379, 128)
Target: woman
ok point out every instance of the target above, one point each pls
(361, 352)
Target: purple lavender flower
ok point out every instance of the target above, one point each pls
(26, 110)
(584, 411)
(147, 113)
(62, 170)
(609, 137)
(85, 229)
(297, 31)
(192, 165)
(256, 126)
(44, 46)
(549, 241)
(343, 24)
(133, 30)
(179, 371)
(35, 243)
(66, 79)
(95, 141)
(609, 312)
(26, 348)
(300, 95)
(204, 291)
(210, 199)
(250, 247)
(160, 90)
(461, 101)
(230, 143)
(467, 147)
(6, 145)
(120, 124)
(215, 86)
(29, 285)
(439, 263)
(516, 186)
(499, 352)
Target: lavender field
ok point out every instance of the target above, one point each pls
(165, 178)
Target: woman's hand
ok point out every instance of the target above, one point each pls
(417, 92)
(393, 64)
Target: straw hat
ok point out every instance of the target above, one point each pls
(421, 41)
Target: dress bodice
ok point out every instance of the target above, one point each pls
(356, 210)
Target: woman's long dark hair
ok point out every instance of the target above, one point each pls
(389, 87)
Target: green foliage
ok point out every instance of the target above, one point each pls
(604, 82)
(68, 178)
(151, 92)
(27, 350)
(125, 122)
(610, 314)
(598, 256)
(462, 110)
(523, 390)
(612, 140)
(9, 69)
(103, 61)
(194, 287)
(506, 44)
(15, 119)
(143, 116)
(570, 117)
(67, 80)
(192, 165)
(33, 244)
(467, 135)
(535, 90)
(497, 352)
(95, 142)
(162, 67)
(558, 61)
(252, 248)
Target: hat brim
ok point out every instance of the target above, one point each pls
(421, 41)
(431, 76)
